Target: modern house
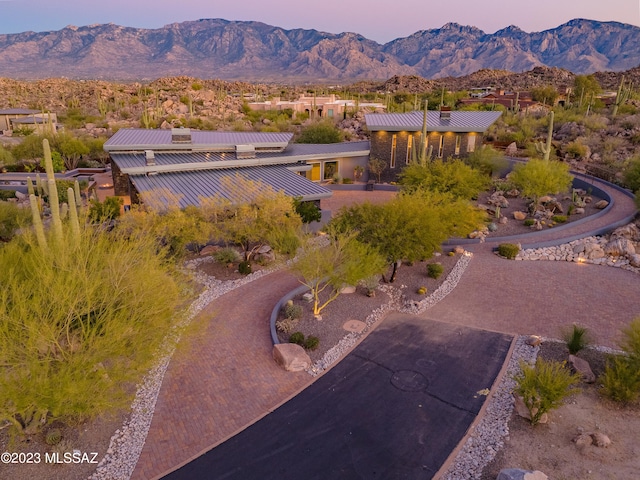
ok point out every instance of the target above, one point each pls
(190, 164)
(513, 101)
(394, 136)
(22, 118)
(315, 106)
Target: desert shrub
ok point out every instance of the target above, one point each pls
(105, 211)
(528, 222)
(576, 149)
(12, 218)
(434, 270)
(297, 338)
(311, 342)
(226, 255)
(7, 194)
(620, 380)
(559, 218)
(544, 386)
(244, 268)
(291, 310)
(631, 174)
(324, 131)
(488, 160)
(284, 241)
(347, 181)
(287, 325)
(508, 250)
(577, 338)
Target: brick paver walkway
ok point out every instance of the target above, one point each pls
(225, 379)
(221, 380)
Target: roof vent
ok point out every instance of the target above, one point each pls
(180, 135)
(445, 113)
(245, 151)
(150, 158)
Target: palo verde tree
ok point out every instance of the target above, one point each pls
(410, 227)
(98, 307)
(342, 261)
(541, 177)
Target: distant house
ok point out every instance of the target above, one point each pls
(315, 106)
(190, 164)
(520, 101)
(22, 118)
(449, 133)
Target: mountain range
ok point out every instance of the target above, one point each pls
(254, 51)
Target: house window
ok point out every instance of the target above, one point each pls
(394, 141)
(409, 148)
(441, 146)
(330, 112)
(458, 141)
(471, 143)
(330, 169)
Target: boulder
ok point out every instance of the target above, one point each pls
(458, 249)
(600, 440)
(517, 215)
(291, 357)
(520, 474)
(20, 196)
(503, 220)
(209, 250)
(602, 204)
(634, 260)
(534, 340)
(513, 193)
(583, 440)
(512, 149)
(348, 289)
(582, 367)
(620, 247)
(546, 199)
(265, 249)
(629, 231)
(579, 211)
(523, 411)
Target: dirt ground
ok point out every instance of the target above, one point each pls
(550, 447)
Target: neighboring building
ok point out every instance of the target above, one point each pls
(325, 106)
(449, 133)
(190, 164)
(21, 118)
(520, 101)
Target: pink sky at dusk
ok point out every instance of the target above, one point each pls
(378, 20)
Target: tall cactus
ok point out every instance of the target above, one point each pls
(621, 97)
(545, 149)
(423, 139)
(30, 188)
(37, 222)
(54, 203)
(73, 214)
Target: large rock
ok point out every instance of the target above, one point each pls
(583, 440)
(602, 204)
(291, 357)
(523, 411)
(600, 440)
(582, 367)
(634, 260)
(520, 474)
(620, 247)
(629, 231)
(517, 215)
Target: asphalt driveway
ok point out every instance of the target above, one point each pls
(394, 408)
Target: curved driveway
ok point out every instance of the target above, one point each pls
(228, 380)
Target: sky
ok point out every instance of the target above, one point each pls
(379, 20)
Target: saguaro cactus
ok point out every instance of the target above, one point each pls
(545, 149)
(621, 97)
(54, 203)
(37, 221)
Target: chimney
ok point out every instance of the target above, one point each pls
(150, 158)
(180, 135)
(445, 113)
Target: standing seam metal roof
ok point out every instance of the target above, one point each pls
(459, 121)
(140, 138)
(189, 187)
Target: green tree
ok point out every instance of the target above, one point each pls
(585, 87)
(29, 149)
(537, 177)
(6, 157)
(631, 174)
(71, 148)
(343, 261)
(324, 131)
(453, 176)
(410, 227)
(56, 159)
(546, 94)
(88, 330)
(487, 159)
(308, 211)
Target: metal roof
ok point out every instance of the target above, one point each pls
(145, 139)
(189, 187)
(30, 120)
(18, 111)
(135, 163)
(459, 121)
